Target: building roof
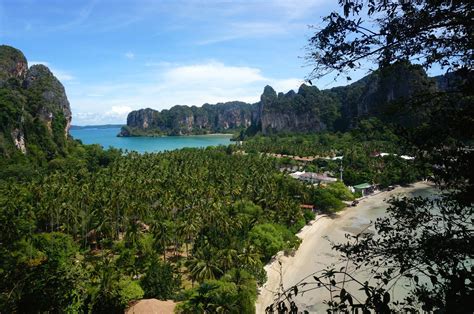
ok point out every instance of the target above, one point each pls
(362, 186)
(317, 177)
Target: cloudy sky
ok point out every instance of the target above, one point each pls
(117, 56)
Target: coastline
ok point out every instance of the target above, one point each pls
(315, 251)
(120, 134)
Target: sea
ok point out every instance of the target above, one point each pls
(107, 137)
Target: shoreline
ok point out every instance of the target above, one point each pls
(176, 135)
(315, 251)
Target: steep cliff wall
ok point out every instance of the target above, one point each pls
(35, 114)
(181, 120)
(384, 94)
(308, 110)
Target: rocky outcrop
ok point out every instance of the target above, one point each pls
(143, 118)
(35, 108)
(182, 120)
(383, 94)
(52, 99)
(19, 140)
(304, 111)
(13, 64)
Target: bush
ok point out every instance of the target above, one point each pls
(308, 215)
(129, 290)
(161, 281)
(270, 238)
(339, 190)
(324, 200)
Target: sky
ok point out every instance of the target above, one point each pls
(117, 56)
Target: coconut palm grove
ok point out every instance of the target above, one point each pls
(90, 229)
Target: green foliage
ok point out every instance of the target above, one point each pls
(161, 281)
(357, 147)
(326, 201)
(50, 277)
(424, 240)
(344, 42)
(340, 191)
(370, 135)
(123, 209)
(130, 290)
(234, 293)
(308, 215)
(271, 238)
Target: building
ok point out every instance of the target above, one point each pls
(308, 206)
(313, 178)
(379, 154)
(364, 188)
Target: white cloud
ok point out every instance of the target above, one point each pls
(212, 74)
(164, 87)
(130, 55)
(119, 111)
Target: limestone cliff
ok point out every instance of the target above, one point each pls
(52, 100)
(309, 110)
(34, 110)
(383, 93)
(13, 64)
(182, 120)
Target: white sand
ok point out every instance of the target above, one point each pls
(315, 251)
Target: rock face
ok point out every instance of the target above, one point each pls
(143, 118)
(13, 64)
(182, 120)
(19, 140)
(35, 111)
(53, 100)
(380, 94)
(309, 110)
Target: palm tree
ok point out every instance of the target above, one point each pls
(162, 236)
(200, 270)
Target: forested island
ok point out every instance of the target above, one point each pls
(91, 230)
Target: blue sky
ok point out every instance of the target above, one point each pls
(117, 56)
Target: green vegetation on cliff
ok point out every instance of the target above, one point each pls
(383, 94)
(34, 111)
(184, 120)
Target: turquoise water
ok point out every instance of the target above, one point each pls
(107, 137)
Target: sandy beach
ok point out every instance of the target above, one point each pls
(315, 251)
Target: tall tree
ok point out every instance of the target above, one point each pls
(426, 241)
